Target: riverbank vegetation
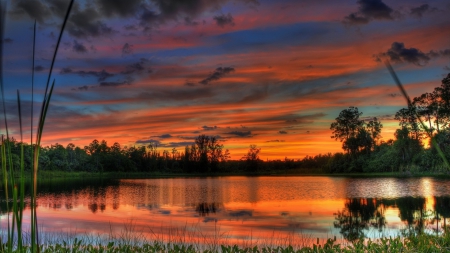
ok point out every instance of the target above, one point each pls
(416, 243)
(410, 152)
(364, 150)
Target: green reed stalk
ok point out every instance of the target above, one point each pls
(21, 177)
(410, 105)
(18, 190)
(43, 114)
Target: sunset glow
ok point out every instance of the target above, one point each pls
(271, 73)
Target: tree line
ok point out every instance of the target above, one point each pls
(427, 118)
(364, 150)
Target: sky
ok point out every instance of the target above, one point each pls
(251, 72)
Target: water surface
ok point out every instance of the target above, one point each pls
(243, 210)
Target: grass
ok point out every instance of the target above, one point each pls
(414, 243)
(14, 184)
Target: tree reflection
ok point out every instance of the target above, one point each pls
(442, 208)
(204, 209)
(358, 215)
(413, 211)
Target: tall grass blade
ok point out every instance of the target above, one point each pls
(21, 178)
(43, 114)
(408, 100)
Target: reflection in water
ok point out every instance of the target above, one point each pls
(358, 215)
(240, 208)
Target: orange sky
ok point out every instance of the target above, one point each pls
(271, 73)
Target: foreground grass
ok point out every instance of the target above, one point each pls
(415, 243)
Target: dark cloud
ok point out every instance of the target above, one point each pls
(375, 9)
(177, 144)
(119, 8)
(369, 10)
(219, 73)
(418, 12)
(82, 88)
(164, 136)
(58, 7)
(447, 68)
(282, 132)
(7, 40)
(190, 84)
(241, 133)
(170, 10)
(79, 47)
(114, 84)
(189, 22)
(136, 67)
(130, 27)
(38, 68)
(127, 49)
(35, 9)
(207, 128)
(86, 23)
(275, 141)
(223, 20)
(148, 141)
(398, 53)
(101, 75)
(355, 19)
(393, 95)
(66, 71)
(445, 52)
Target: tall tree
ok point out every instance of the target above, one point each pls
(347, 124)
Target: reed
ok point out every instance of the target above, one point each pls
(12, 183)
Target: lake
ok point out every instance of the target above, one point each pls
(241, 210)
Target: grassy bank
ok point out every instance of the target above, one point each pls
(416, 243)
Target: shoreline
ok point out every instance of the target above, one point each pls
(44, 175)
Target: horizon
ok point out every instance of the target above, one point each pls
(251, 72)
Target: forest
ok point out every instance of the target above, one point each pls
(426, 118)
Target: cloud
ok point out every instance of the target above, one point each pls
(174, 10)
(86, 23)
(219, 73)
(282, 132)
(78, 47)
(223, 20)
(81, 88)
(275, 141)
(356, 19)
(164, 136)
(118, 7)
(148, 141)
(207, 128)
(35, 9)
(100, 75)
(177, 144)
(398, 53)
(114, 84)
(418, 12)
(7, 40)
(127, 49)
(136, 67)
(369, 10)
(241, 133)
(38, 68)
(189, 22)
